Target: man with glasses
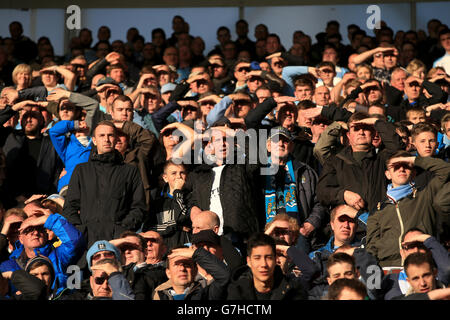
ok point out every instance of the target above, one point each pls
(415, 241)
(241, 69)
(34, 241)
(354, 176)
(406, 206)
(106, 281)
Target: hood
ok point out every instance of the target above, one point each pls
(113, 157)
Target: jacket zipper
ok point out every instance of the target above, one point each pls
(401, 225)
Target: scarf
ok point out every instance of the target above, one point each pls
(280, 197)
(397, 194)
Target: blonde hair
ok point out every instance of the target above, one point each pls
(415, 65)
(23, 67)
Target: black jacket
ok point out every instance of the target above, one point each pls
(242, 287)
(240, 198)
(342, 172)
(24, 175)
(105, 197)
(145, 279)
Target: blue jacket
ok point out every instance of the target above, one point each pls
(69, 149)
(71, 248)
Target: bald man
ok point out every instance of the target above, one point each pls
(209, 220)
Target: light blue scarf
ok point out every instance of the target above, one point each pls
(285, 198)
(396, 194)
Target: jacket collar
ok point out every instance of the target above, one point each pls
(346, 154)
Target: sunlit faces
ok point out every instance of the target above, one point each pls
(303, 92)
(105, 138)
(43, 272)
(33, 237)
(262, 262)
(421, 277)
(322, 96)
(181, 271)
(67, 110)
(360, 135)
(399, 173)
(340, 271)
(425, 143)
(99, 284)
(122, 111)
(343, 226)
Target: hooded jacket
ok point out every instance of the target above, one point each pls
(242, 287)
(71, 248)
(105, 197)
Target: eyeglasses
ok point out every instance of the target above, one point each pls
(106, 255)
(414, 84)
(100, 280)
(155, 240)
(252, 79)
(29, 230)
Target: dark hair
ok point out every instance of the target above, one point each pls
(444, 31)
(401, 153)
(170, 162)
(402, 128)
(357, 116)
(142, 240)
(301, 82)
(341, 257)
(274, 35)
(414, 229)
(158, 30)
(305, 104)
(223, 28)
(327, 64)
(260, 239)
(336, 288)
(417, 259)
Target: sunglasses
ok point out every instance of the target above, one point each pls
(155, 240)
(201, 82)
(106, 254)
(79, 66)
(368, 89)
(100, 280)
(414, 84)
(29, 230)
(243, 69)
(252, 79)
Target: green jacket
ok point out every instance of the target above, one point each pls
(387, 225)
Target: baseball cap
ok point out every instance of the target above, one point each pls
(101, 245)
(168, 87)
(280, 131)
(106, 80)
